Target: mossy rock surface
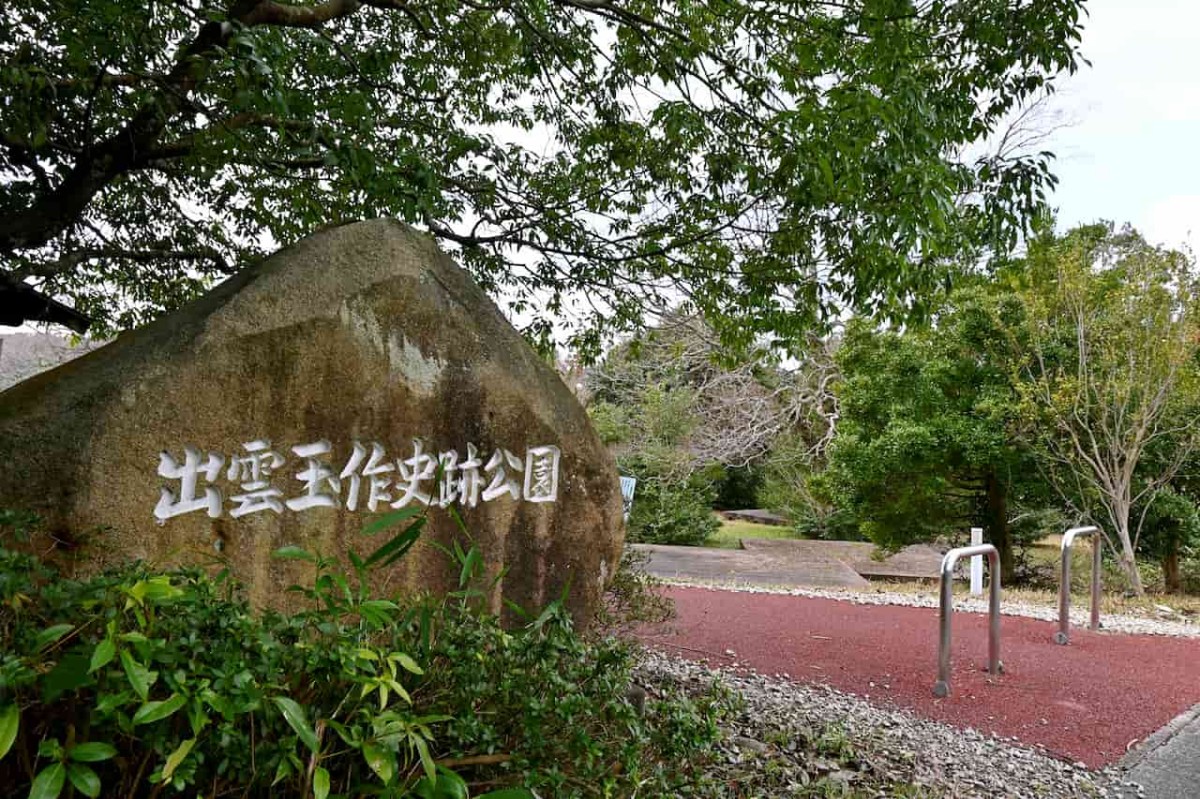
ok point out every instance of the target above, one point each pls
(362, 333)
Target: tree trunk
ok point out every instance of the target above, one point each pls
(996, 522)
(1129, 562)
(1170, 568)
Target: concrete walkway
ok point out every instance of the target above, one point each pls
(748, 567)
(916, 562)
(1167, 764)
(792, 562)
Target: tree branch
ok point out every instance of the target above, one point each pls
(288, 16)
(185, 145)
(76, 257)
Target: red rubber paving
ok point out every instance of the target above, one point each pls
(1085, 702)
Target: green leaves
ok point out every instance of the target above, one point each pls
(925, 436)
(102, 655)
(49, 782)
(422, 746)
(51, 634)
(396, 548)
(296, 719)
(445, 785)
(10, 724)
(382, 761)
(378, 612)
(824, 137)
(391, 519)
(94, 752)
(292, 552)
(151, 712)
(177, 757)
(198, 694)
(1111, 330)
(408, 663)
(86, 781)
(68, 765)
(320, 783)
(155, 589)
(140, 678)
(472, 562)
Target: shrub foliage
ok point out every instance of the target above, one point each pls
(140, 682)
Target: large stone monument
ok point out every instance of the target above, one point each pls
(357, 372)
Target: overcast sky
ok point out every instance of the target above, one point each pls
(1133, 152)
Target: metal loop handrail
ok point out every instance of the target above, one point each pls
(1063, 636)
(942, 686)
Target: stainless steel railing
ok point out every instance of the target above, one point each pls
(1063, 636)
(942, 686)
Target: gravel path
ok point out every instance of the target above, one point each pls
(783, 728)
(1134, 625)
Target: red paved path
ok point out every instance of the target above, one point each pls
(1085, 701)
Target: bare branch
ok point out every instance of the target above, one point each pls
(76, 257)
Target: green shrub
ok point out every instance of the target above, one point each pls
(738, 488)
(827, 523)
(794, 485)
(632, 598)
(672, 512)
(611, 422)
(138, 681)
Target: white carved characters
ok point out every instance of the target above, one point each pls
(541, 474)
(188, 474)
(505, 469)
(254, 471)
(321, 488)
(370, 478)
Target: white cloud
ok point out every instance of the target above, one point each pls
(1130, 157)
(1173, 222)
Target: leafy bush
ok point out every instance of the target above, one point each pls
(631, 598)
(611, 421)
(795, 485)
(1029, 526)
(827, 523)
(138, 681)
(1170, 531)
(1190, 575)
(669, 511)
(738, 488)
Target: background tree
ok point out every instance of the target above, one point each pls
(682, 415)
(798, 457)
(925, 446)
(1170, 528)
(1180, 521)
(763, 161)
(1109, 382)
(735, 404)
(675, 493)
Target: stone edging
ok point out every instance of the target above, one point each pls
(1147, 746)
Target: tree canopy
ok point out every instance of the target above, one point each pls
(1111, 385)
(762, 161)
(925, 442)
(1075, 366)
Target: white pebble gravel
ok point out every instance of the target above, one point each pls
(944, 761)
